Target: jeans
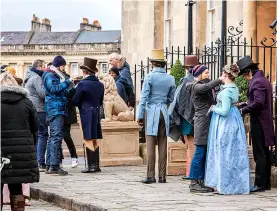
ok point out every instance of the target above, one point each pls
(55, 140)
(197, 168)
(42, 138)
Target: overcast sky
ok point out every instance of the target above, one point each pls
(65, 15)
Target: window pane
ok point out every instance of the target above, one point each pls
(104, 67)
(74, 69)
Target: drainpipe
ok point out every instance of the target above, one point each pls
(223, 33)
(190, 40)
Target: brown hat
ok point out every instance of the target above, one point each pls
(191, 61)
(89, 65)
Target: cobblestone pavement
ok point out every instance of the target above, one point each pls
(37, 206)
(119, 188)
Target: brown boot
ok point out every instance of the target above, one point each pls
(17, 203)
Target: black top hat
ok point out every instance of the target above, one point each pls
(89, 65)
(244, 63)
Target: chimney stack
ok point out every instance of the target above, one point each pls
(86, 26)
(35, 23)
(45, 26)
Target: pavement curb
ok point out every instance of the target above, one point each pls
(61, 201)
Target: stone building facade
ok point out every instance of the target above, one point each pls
(164, 23)
(19, 49)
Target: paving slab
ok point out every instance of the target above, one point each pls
(119, 188)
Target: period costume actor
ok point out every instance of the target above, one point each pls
(19, 124)
(259, 106)
(89, 98)
(156, 95)
(227, 165)
(56, 92)
(181, 113)
(202, 97)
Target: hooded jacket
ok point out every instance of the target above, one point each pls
(19, 123)
(33, 83)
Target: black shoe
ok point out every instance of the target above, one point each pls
(162, 180)
(149, 180)
(185, 178)
(91, 169)
(98, 169)
(58, 171)
(257, 189)
(42, 167)
(197, 186)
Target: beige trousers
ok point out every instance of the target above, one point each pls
(151, 142)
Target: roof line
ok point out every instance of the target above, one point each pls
(78, 34)
(30, 36)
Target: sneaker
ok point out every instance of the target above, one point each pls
(74, 162)
(42, 167)
(58, 171)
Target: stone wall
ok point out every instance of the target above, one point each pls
(137, 34)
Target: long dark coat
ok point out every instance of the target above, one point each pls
(19, 123)
(259, 104)
(203, 98)
(71, 117)
(89, 98)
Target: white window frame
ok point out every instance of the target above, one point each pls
(168, 25)
(211, 4)
(211, 18)
(73, 70)
(106, 68)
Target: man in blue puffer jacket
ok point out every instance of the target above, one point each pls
(55, 105)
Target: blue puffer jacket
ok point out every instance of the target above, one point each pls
(55, 94)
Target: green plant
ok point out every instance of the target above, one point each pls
(178, 71)
(242, 84)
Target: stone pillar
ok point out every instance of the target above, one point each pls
(20, 70)
(250, 24)
(176, 156)
(158, 24)
(200, 19)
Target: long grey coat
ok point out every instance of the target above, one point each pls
(202, 97)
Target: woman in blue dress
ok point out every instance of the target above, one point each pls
(227, 166)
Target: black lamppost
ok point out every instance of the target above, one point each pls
(190, 40)
(223, 33)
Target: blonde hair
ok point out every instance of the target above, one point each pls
(11, 70)
(7, 79)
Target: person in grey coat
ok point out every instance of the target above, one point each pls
(33, 83)
(203, 99)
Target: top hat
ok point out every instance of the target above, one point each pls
(191, 61)
(157, 55)
(244, 63)
(89, 65)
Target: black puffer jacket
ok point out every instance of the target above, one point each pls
(19, 123)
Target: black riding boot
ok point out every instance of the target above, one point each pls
(91, 160)
(97, 160)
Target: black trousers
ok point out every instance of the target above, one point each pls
(15, 189)
(69, 142)
(261, 154)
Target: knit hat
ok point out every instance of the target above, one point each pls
(59, 61)
(198, 70)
